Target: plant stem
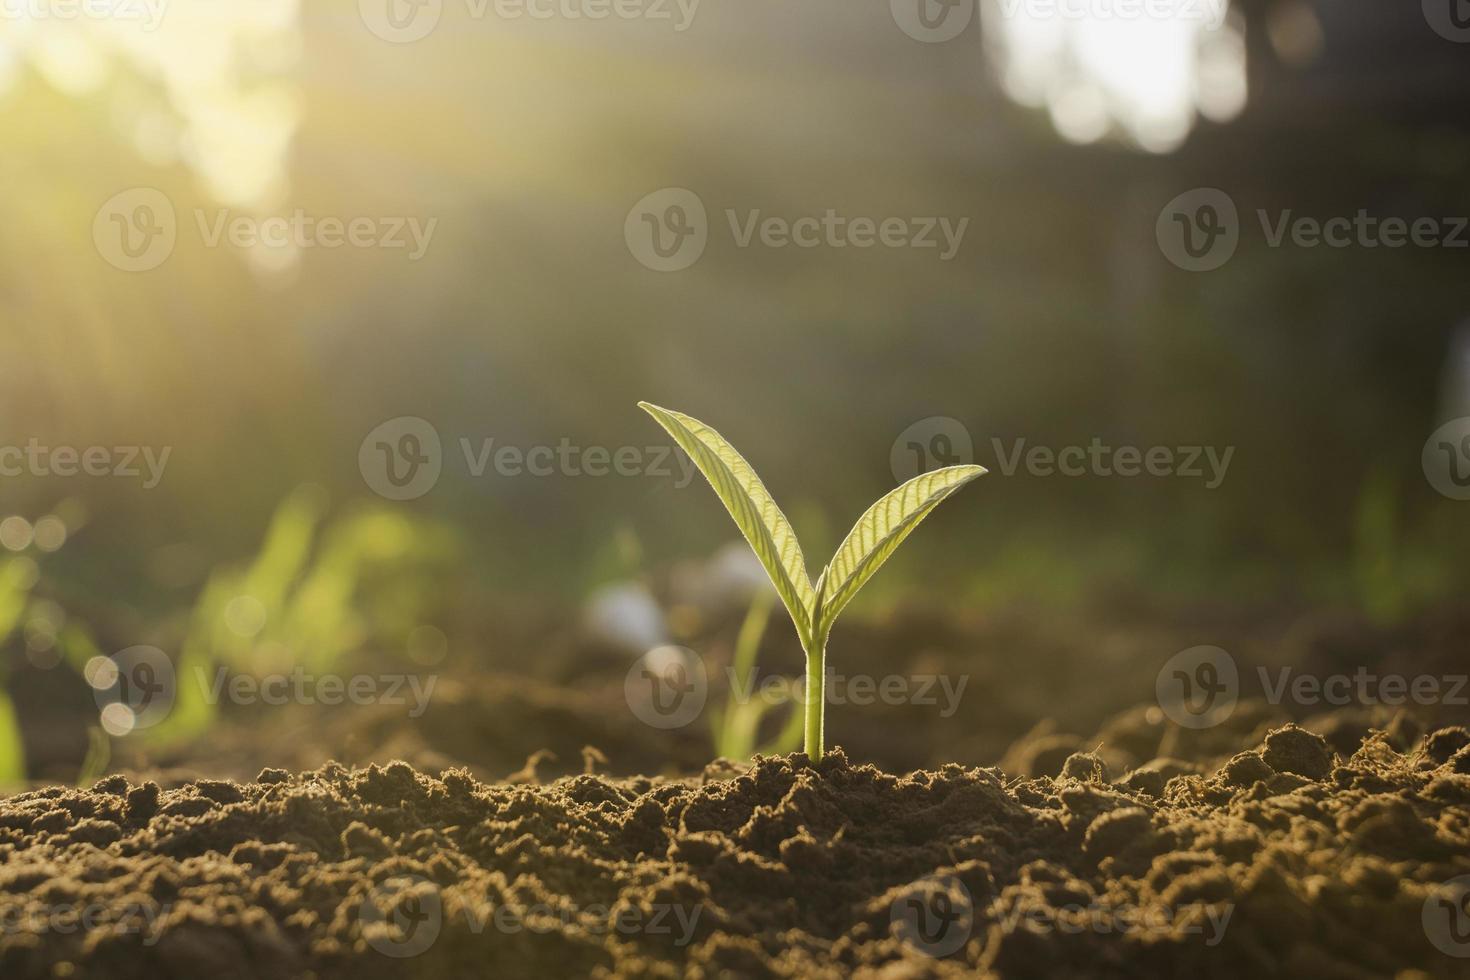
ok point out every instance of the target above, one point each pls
(815, 699)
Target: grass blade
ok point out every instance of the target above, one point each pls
(12, 745)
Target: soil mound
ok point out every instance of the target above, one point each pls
(1288, 860)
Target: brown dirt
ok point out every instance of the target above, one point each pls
(1290, 859)
(1026, 674)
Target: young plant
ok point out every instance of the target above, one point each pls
(813, 608)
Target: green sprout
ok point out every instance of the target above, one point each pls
(813, 608)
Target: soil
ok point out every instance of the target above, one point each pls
(1284, 856)
(1038, 686)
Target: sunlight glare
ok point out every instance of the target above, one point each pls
(225, 72)
(1146, 76)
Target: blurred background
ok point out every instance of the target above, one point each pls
(289, 278)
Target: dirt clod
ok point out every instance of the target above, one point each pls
(1247, 769)
(1085, 766)
(1296, 750)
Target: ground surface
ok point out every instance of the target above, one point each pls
(1034, 685)
(1290, 859)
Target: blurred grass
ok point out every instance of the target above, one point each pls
(327, 586)
(17, 574)
(311, 595)
(736, 725)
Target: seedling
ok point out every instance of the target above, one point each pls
(813, 608)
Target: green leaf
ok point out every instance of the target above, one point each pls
(755, 513)
(879, 532)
